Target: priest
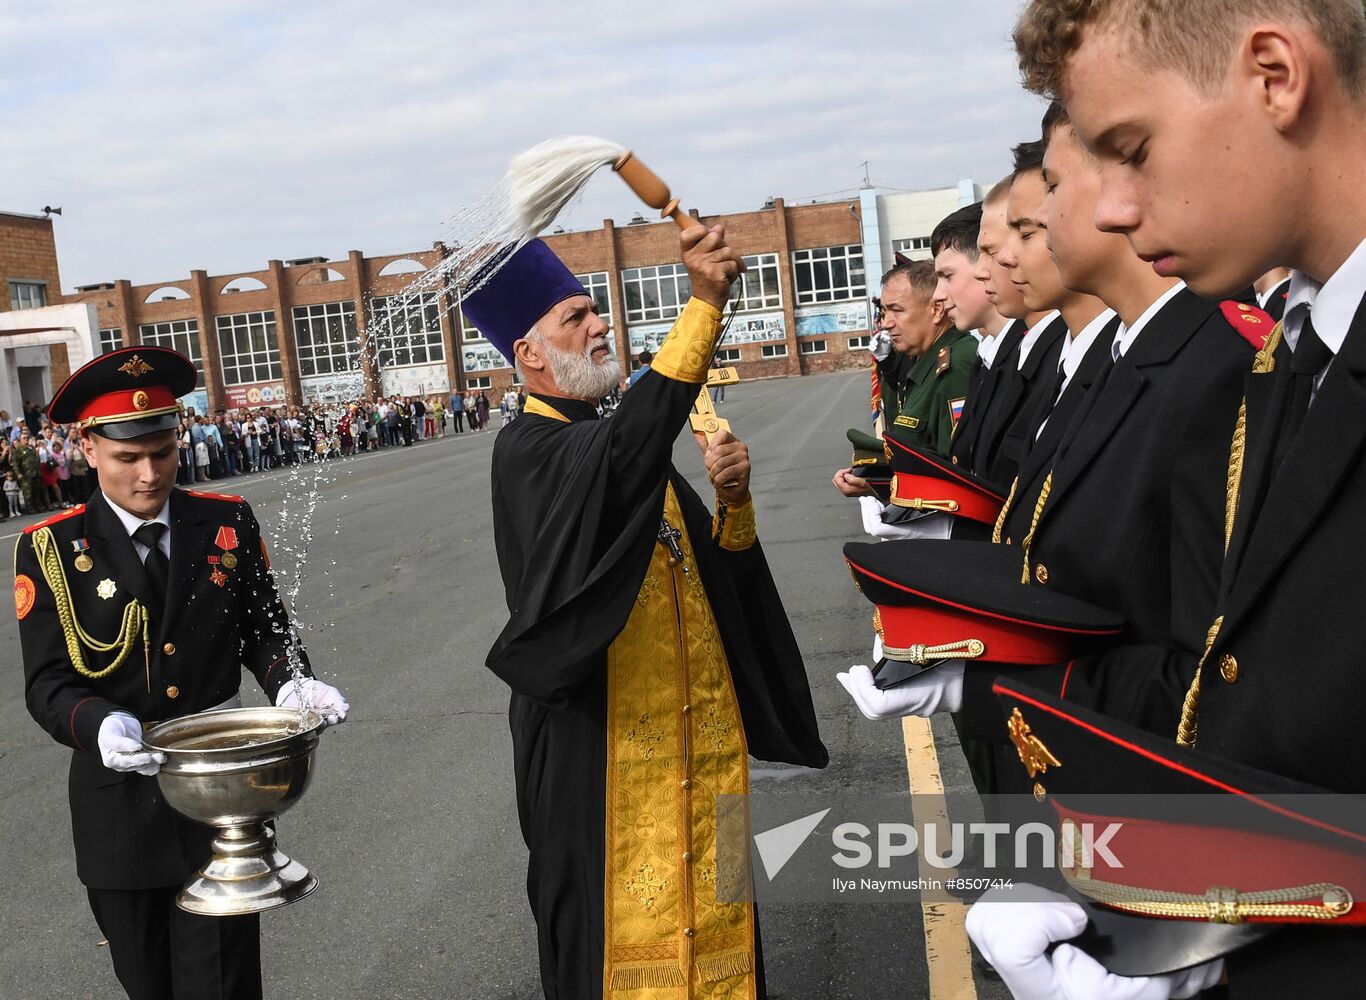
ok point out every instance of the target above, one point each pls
(647, 648)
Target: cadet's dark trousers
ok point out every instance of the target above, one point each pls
(160, 952)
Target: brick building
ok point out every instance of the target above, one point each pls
(297, 330)
(41, 340)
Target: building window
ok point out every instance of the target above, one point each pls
(812, 346)
(27, 294)
(110, 340)
(762, 290)
(469, 333)
(859, 343)
(728, 356)
(179, 335)
(829, 274)
(599, 285)
(248, 347)
(775, 350)
(656, 293)
(326, 338)
(916, 244)
(407, 329)
(479, 382)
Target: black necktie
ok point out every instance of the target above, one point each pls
(155, 565)
(1307, 361)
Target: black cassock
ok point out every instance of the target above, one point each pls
(576, 512)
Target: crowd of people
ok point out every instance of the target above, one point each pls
(44, 468)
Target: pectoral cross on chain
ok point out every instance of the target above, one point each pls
(669, 537)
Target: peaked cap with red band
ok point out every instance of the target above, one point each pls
(942, 600)
(126, 393)
(1214, 854)
(923, 480)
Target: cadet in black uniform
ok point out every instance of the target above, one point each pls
(143, 605)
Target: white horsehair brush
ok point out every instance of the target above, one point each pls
(544, 179)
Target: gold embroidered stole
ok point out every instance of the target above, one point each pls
(674, 742)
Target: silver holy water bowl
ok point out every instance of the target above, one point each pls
(237, 769)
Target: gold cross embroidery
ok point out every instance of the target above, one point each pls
(716, 729)
(645, 887)
(644, 735)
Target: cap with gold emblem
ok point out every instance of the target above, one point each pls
(1203, 855)
(126, 393)
(963, 600)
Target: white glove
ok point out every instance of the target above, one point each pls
(120, 743)
(1014, 929)
(937, 690)
(323, 698)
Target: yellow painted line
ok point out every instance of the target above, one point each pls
(946, 937)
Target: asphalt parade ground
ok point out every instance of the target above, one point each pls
(410, 824)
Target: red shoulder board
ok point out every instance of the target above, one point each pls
(944, 361)
(1252, 323)
(215, 496)
(78, 509)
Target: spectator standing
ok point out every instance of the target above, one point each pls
(419, 410)
(201, 461)
(458, 412)
(252, 433)
(481, 407)
(11, 496)
(24, 459)
(646, 359)
(185, 448)
(80, 471)
(47, 472)
(6, 426)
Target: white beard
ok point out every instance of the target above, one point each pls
(579, 375)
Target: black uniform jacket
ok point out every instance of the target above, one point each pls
(1141, 466)
(983, 424)
(1006, 444)
(1059, 413)
(216, 620)
(1283, 684)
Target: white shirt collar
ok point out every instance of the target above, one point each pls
(1032, 337)
(1075, 348)
(131, 523)
(1335, 302)
(1126, 335)
(1264, 297)
(987, 348)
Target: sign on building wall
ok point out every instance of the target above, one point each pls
(198, 401)
(746, 328)
(415, 380)
(842, 317)
(483, 358)
(254, 394)
(339, 387)
(754, 328)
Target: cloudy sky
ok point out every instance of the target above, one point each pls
(219, 135)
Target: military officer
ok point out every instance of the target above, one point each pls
(142, 605)
(945, 357)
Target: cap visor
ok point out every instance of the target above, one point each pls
(1130, 945)
(128, 429)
